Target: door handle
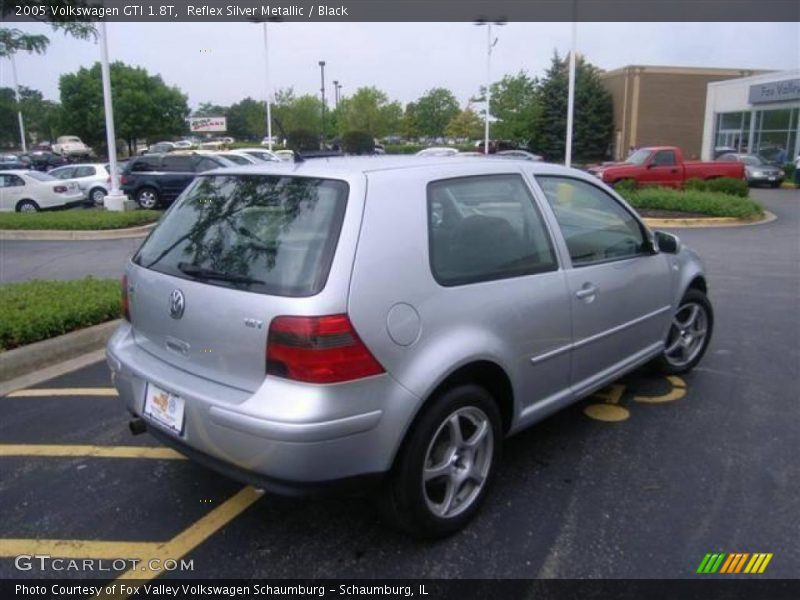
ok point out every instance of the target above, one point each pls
(587, 291)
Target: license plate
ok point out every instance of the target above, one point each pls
(772, 179)
(164, 408)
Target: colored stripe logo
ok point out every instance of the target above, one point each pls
(735, 562)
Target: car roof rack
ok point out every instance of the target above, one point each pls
(315, 154)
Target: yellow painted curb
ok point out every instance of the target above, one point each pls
(707, 222)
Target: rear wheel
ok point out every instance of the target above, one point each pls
(27, 206)
(446, 465)
(147, 197)
(97, 196)
(689, 334)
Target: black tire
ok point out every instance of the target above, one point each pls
(147, 197)
(27, 206)
(97, 191)
(667, 366)
(403, 498)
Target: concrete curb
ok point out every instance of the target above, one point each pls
(707, 222)
(75, 235)
(32, 357)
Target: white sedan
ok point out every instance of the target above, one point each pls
(29, 191)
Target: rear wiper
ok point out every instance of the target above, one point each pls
(201, 273)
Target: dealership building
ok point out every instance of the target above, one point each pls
(758, 115)
(656, 105)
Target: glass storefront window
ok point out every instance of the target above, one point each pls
(774, 132)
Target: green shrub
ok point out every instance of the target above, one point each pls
(724, 185)
(302, 139)
(713, 204)
(789, 169)
(37, 310)
(625, 186)
(414, 148)
(358, 142)
(78, 219)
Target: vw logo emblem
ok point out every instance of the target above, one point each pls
(176, 304)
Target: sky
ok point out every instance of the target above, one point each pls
(224, 62)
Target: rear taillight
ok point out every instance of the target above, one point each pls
(318, 350)
(126, 309)
(124, 179)
(60, 189)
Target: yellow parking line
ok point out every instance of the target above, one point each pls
(188, 540)
(89, 451)
(77, 548)
(43, 392)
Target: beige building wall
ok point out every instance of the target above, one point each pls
(661, 105)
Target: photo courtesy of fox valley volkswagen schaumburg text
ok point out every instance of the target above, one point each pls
(502, 291)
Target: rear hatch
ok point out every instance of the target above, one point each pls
(234, 252)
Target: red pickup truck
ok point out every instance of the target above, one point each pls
(664, 165)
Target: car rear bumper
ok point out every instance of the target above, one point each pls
(285, 436)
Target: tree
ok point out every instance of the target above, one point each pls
(42, 117)
(368, 109)
(516, 108)
(409, 126)
(466, 124)
(358, 142)
(144, 106)
(247, 119)
(594, 123)
(293, 113)
(434, 110)
(209, 109)
(9, 130)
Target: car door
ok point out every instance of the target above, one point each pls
(663, 170)
(13, 189)
(619, 286)
(85, 176)
(178, 174)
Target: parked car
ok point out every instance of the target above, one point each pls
(519, 154)
(45, 161)
(757, 170)
(664, 166)
(293, 325)
(30, 191)
(160, 148)
(265, 141)
(437, 151)
(496, 146)
(183, 145)
(261, 153)
(94, 180)
(71, 145)
(284, 155)
(12, 161)
(238, 158)
(157, 179)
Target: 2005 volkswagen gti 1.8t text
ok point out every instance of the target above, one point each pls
(392, 319)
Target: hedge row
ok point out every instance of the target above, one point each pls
(725, 185)
(713, 204)
(38, 310)
(78, 219)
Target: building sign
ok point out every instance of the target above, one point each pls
(775, 91)
(207, 124)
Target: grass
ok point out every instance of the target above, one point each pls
(713, 204)
(93, 219)
(32, 311)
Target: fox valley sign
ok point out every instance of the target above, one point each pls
(207, 124)
(775, 91)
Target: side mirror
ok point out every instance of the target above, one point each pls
(667, 243)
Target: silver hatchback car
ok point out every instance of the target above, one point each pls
(334, 322)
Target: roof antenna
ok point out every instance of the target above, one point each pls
(298, 157)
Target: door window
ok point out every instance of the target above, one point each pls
(146, 164)
(84, 171)
(485, 228)
(64, 173)
(178, 164)
(664, 158)
(12, 181)
(206, 164)
(595, 226)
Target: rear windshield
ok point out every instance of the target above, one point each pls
(269, 234)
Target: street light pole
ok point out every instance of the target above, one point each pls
(267, 83)
(115, 200)
(489, 45)
(19, 106)
(322, 89)
(336, 93)
(571, 97)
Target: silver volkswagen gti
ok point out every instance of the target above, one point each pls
(389, 320)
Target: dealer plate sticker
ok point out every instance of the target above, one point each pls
(163, 407)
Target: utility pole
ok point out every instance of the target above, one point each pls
(322, 90)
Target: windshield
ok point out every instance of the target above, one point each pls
(41, 176)
(270, 234)
(638, 157)
(753, 161)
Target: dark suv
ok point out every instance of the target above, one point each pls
(157, 179)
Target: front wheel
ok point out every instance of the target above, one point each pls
(27, 206)
(689, 334)
(446, 465)
(97, 196)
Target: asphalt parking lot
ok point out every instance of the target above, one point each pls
(640, 481)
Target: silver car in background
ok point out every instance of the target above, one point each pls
(93, 179)
(335, 322)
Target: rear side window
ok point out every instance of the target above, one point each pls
(269, 234)
(142, 165)
(178, 164)
(206, 164)
(485, 228)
